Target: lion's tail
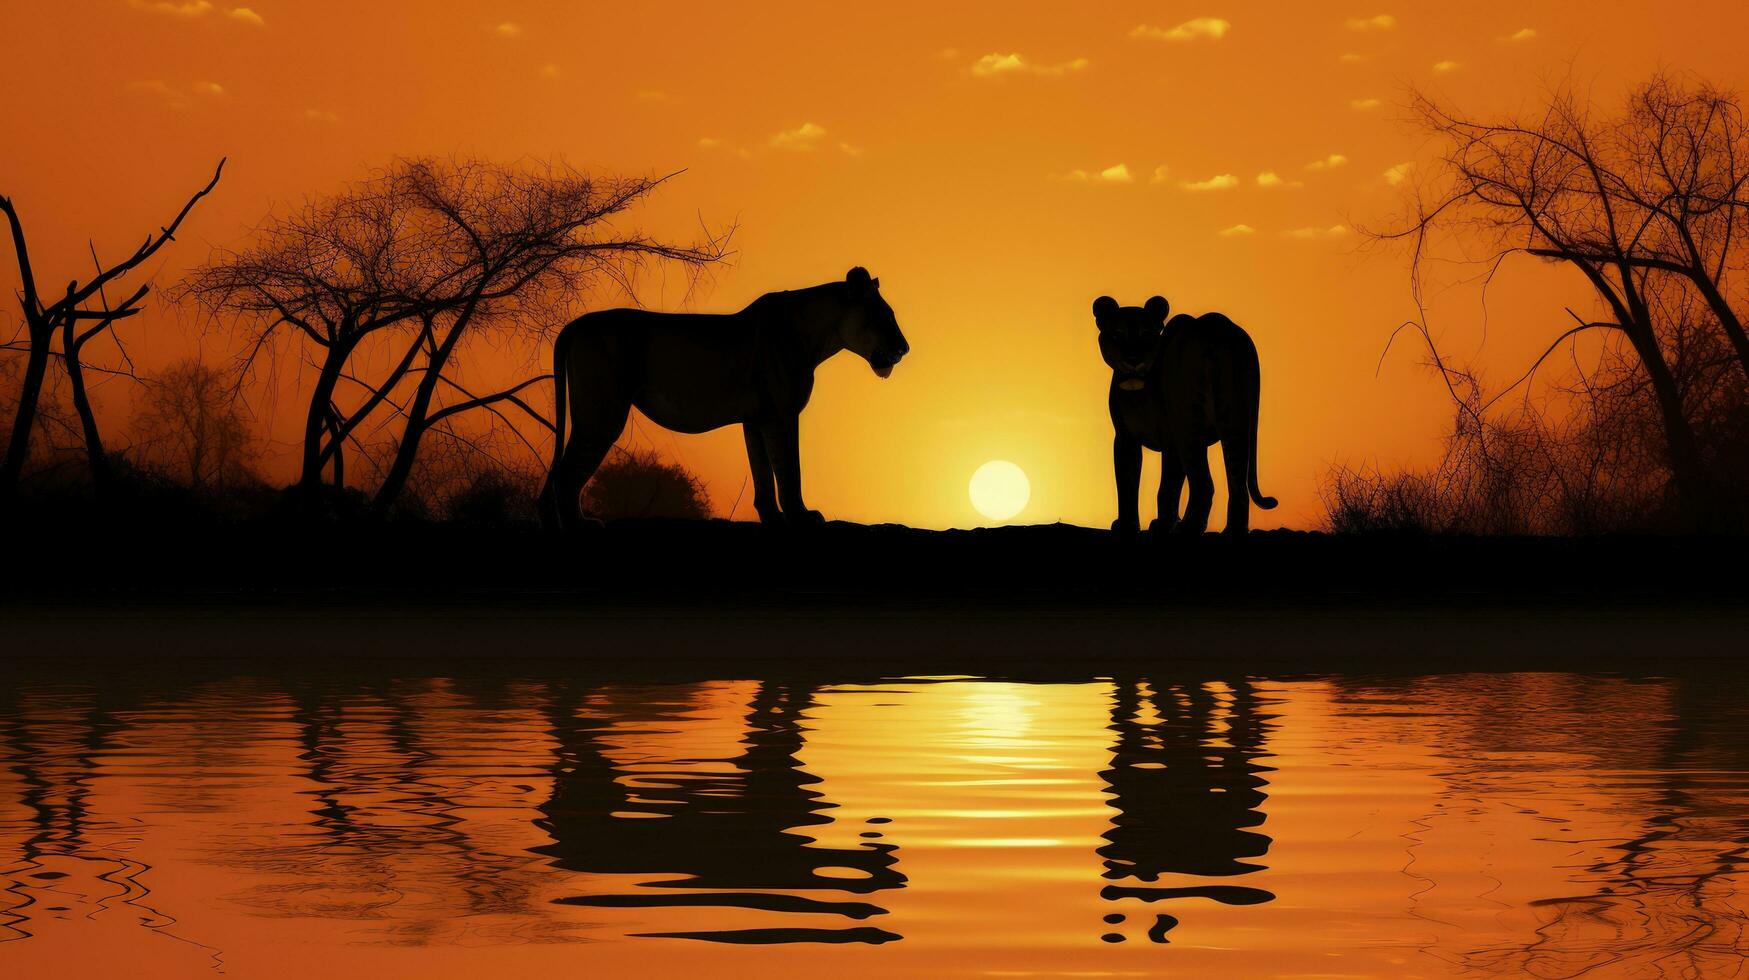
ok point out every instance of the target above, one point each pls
(1257, 497)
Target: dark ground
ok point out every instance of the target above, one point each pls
(917, 599)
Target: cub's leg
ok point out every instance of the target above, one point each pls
(1236, 454)
(1171, 488)
(1202, 491)
(781, 438)
(759, 463)
(1126, 462)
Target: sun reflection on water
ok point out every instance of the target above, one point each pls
(1378, 826)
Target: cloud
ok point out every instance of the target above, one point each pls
(1381, 22)
(1198, 29)
(709, 142)
(321, 116)
(177, 97)
(1162, 174)
(549, 71)
(1330, 162)
(1521, 35)
(650, 95)
(1350, 58)
(189, 9)
(1220, 182)
(247, 16)
(849, 150)
(1237, 231)
(995, 65)
(1445, 67)
(1306, 234)
(1364, 105)
(1397, 174)
(802, 139)
(1270, 178)
(1117, 173)
(508, 29)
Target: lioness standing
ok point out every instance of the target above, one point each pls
(1179, 388)
(693, 372)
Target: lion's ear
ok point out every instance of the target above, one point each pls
(1103, 307)
(1157, 308)
(857, 276)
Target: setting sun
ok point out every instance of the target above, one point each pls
(1000, 490)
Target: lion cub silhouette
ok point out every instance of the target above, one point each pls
(1177, 388)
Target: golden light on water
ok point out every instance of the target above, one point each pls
(1000, 490)
(1157, 825)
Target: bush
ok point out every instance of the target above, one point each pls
(496, 497)
(640, 484)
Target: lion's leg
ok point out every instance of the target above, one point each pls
(1236, 454)
(1202, 492)
(782, 438)
(1171, 489)
(759, 464)
(1126, 464)
(599, 423)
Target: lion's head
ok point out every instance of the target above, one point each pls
(1129, 338)
(870, 328)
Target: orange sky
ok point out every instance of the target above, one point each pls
(950, 173)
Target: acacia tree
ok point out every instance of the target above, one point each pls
(1638, 205)
(423, 257)
(71, 320)
(192, 426)
(1685, 162)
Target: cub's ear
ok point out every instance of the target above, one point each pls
(1103, 307)
(857, 276)
(1157, 308)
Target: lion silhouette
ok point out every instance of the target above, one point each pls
(693, 372)
(1179, 387)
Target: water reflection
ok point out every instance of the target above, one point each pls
(731, 828)
(1509, 824)
(1186, 785)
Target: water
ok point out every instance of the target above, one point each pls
(527, 820)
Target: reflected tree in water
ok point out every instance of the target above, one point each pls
(54, 745)
(1668, 900)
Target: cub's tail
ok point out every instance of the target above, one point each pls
(1257, 497)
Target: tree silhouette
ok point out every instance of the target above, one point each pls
(1640, 203)
(416, 261)
(192, 427)
(72, 321)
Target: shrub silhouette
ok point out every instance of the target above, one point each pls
(495, 498)
(640, 483)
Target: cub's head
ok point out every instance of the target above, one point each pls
(870, 328)
(1129, 338)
